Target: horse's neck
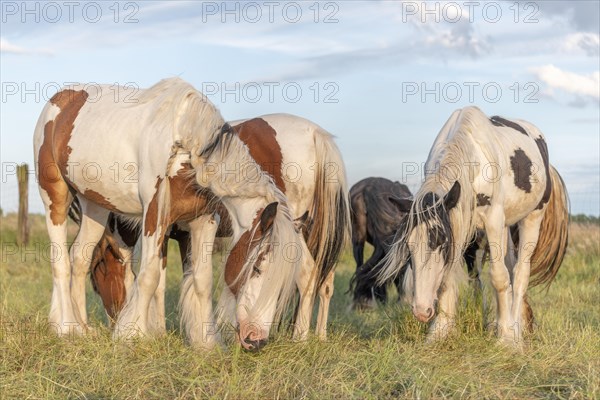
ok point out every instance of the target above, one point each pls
(242, 212)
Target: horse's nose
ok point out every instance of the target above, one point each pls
(424, 316)
(254, 345)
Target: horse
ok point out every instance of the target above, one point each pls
(288, 170)
(375, 220)
(129, 155)
(482, 173)
(376, 215)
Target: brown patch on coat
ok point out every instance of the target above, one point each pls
(483, 200)
(521, 166)
(99, 199)
(53, 155)
(191, 200)
(262, 143)
(245, 245)
(151, 217)
(188, 201)
(237, 256)
(541, 144)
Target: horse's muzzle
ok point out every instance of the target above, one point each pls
(423, 315)
(253, 345)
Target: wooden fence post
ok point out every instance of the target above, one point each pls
(23, 224)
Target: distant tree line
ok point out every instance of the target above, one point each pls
(586, 219)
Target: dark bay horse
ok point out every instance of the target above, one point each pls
(375, 219)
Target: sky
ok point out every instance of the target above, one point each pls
(382, 76)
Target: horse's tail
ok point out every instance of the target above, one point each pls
(329, 224)
(554, 234)
(75, 210)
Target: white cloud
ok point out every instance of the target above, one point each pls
(588, 42)
(579, 85)
(11, 48)
(7, 47)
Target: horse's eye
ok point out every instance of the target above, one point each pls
(255, 271)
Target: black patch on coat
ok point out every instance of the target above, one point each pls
(521, 166)
(483, 200)
(499, 121)
(541, 144)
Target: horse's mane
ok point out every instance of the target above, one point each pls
(449, 157)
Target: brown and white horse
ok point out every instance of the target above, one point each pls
(129, 155)
(483, 173)
(292, 171)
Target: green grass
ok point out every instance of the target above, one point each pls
(375, 354)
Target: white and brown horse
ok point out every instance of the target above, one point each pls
(129, 155)
(292, 172)
(483, 173)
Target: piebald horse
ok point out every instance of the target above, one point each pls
(482, 173)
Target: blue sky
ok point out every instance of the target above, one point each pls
(382, 76)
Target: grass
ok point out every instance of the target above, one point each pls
(375, 354)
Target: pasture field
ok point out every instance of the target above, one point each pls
(377, 354)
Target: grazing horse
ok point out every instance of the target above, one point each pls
(292, 180)
(140, 144)
(482, 173)
(375, 220)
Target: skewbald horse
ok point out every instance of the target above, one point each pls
(169, 132)
(294, 173)
(457, 198)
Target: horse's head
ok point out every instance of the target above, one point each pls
(426, 237)
(244, 276)
(108, 277)
(260, 269)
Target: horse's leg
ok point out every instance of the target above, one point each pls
(358, 250)
(497, 238)
(379, 292)
(156, 316)
(62, 316)
(196, 292)
(529, 231)
(359, 235)
(306, 282)
(133, 319)
(93, 223)
(325, 294)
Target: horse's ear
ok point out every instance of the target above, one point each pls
(301, 221)
(226, 128)
(403, 204)
(268, 216)
(451, 198)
